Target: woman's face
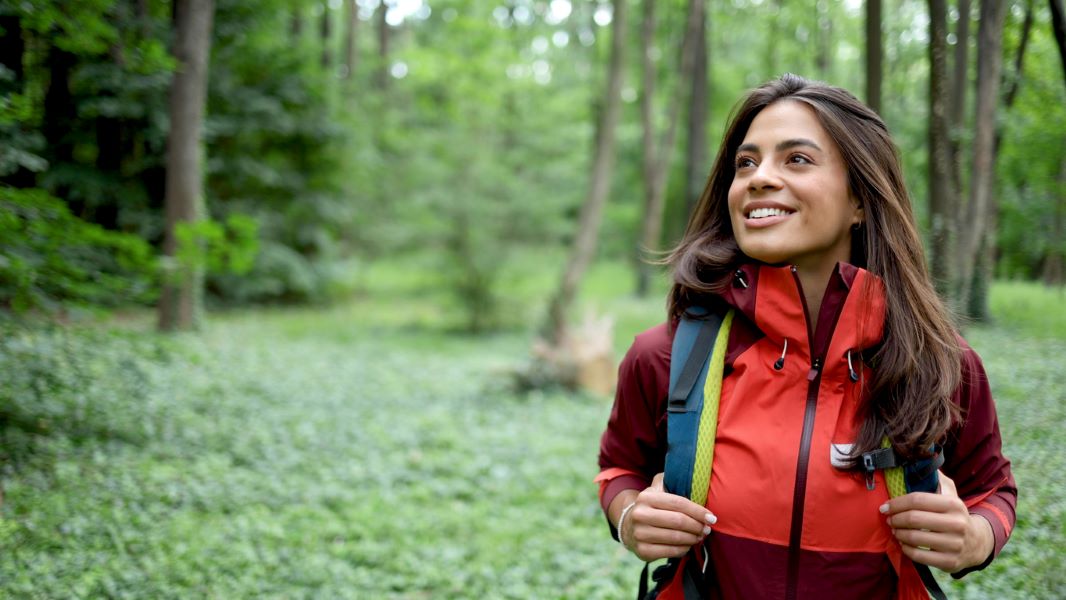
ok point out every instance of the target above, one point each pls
(789, 201)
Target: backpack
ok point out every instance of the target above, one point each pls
(698, 353)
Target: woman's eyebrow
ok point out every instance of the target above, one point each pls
(782, 146)
(785, 145)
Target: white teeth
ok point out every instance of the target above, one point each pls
(759, 213)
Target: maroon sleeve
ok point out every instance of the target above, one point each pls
(635, 438)
(974, 457)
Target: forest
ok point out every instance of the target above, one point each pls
(325, 298)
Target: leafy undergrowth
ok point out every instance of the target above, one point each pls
(343, 454)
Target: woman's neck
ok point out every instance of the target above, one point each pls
(814, 281)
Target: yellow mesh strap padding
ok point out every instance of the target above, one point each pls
(894, 476)
(712, 392)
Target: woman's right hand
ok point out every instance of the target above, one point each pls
(664, 525)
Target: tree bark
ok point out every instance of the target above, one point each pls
(824, 31)
(383, 46)
(657, 157)
(943, 194)
(982, 199)
(1058, 24)
(1019, 57)
(874, 55)
(960, 66)
(584, 247)
(181, 302)
(696, 167)
(12, 51)
(1054, 273)
(957, 96)
(350, 38)
(325, 35)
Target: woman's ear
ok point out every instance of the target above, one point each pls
(859, 217)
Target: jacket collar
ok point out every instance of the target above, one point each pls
(852, 312)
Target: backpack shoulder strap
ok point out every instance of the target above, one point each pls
(696, 363)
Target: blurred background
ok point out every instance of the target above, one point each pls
(306, 298)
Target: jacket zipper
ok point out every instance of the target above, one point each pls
(799, 492)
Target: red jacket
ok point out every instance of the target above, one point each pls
(790, 524)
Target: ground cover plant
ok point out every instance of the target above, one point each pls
(369, 451)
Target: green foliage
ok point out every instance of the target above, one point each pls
(77, 388)
(51, 259)
(229, 247)
(360, 451)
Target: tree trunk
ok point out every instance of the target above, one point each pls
(1019, 56)
(12, 51)
(599, 185)
(657, 159)
(1056, 257)
(352, 30)
(957, 93)
(696, 167)
(296, 25)
(325, 34)
(874, 55)
(1058, 24)
(959, 83)
(824, 30)
(943, 195)
(982, 198)
(181, 301)
(109, 150)
(383, 46)
(1014, 80)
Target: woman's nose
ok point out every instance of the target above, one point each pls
(764, 177)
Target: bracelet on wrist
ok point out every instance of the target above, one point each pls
(621, 521)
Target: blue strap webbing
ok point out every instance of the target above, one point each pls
(689, 358)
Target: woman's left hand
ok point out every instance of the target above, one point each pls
(938, 530)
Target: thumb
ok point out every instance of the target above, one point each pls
(657, 482)
(947, 485)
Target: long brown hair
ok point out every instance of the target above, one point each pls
(917, 366)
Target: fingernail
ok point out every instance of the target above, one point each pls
(711, 518)
(883, 508)
(706, 530)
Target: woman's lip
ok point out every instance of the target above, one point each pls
(764, 221)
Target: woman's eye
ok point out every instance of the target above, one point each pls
(744, 162)
(799, 159)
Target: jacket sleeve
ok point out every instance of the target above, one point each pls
(632, 447)
(974, 457)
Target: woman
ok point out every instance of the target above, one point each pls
(838, 343)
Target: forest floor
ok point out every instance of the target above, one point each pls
(369, 451)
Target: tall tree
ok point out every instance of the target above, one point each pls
(325, 36)
(350, 38)
(12, 53)
(1058, 25)
(383, 45)
(874, 54)
(943, 194)
(584, 246)
(696, 157)
(957, 92)
(181, 300)
(975, 227)
(657, 154)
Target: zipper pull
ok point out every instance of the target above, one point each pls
(816, 366)
(868, 466)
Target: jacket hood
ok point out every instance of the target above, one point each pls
(852, 312)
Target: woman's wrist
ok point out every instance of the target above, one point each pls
(621, 524)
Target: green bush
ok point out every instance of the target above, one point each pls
(50, 259)
(76, 385)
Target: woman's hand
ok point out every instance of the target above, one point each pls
(664, 525)
(938, 530)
